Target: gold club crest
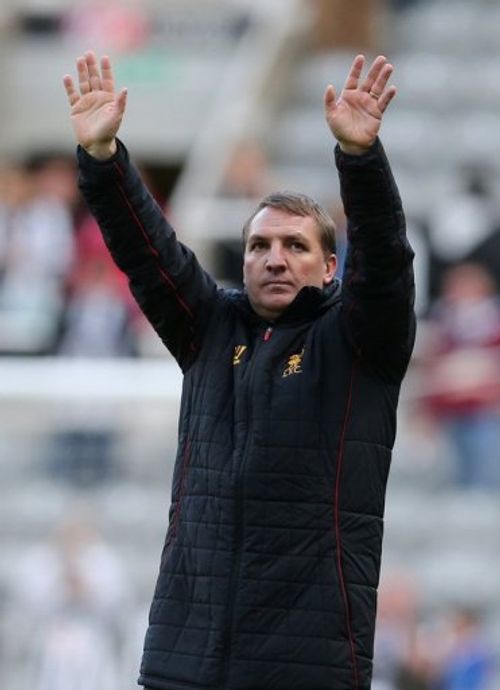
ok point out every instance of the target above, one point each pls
(294, 364)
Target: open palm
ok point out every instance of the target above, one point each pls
(96, 109)
(356, 115)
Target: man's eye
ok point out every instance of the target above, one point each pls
(297, 246)
(257, 245)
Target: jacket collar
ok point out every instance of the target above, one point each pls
(308, 304)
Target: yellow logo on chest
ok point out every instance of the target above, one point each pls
(238, 353)
(294, 364)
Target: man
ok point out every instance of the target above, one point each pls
(270, 566)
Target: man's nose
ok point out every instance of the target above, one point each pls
(276, 258)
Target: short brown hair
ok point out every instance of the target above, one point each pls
(298, 205)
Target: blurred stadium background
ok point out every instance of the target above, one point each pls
(225, 103)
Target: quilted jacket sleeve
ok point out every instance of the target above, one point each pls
(174, 293)
(378, 286)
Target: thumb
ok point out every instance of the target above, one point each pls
(330, 97)
(121, 101)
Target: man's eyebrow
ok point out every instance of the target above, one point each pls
(260, 238)
(297, 235)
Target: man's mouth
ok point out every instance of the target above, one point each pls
(277, 283)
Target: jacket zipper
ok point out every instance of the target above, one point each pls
(238, 531)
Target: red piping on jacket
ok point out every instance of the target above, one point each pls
(340, 568)
(153, 250)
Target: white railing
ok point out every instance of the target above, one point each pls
(241, 106)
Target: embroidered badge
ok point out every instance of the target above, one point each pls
(238, 353)
(294, 364)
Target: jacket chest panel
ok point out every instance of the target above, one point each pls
(290, 394)
(268, 405)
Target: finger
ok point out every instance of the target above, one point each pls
(381, 81)
(107, 80)
(386, 98)
(355, 72)
(373, 73)
(71, 92)
(83, 76)
(94, 75)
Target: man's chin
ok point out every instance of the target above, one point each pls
(272, 308)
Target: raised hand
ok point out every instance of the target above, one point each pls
(96, 109)
(356, 115)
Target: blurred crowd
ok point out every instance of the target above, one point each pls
(417, 649)
(457, 360)
(60, 294)
(114, 25)
(72, 613)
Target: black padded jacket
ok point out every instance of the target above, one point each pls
(269, 572)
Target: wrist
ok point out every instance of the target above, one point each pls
(353, 149)
(102, 151)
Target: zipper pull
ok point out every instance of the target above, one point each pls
(268, 333)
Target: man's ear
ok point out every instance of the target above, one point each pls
(330, 269)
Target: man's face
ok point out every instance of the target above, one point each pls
(283, 254)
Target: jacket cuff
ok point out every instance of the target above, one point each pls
(375, 154)
(93, 168)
